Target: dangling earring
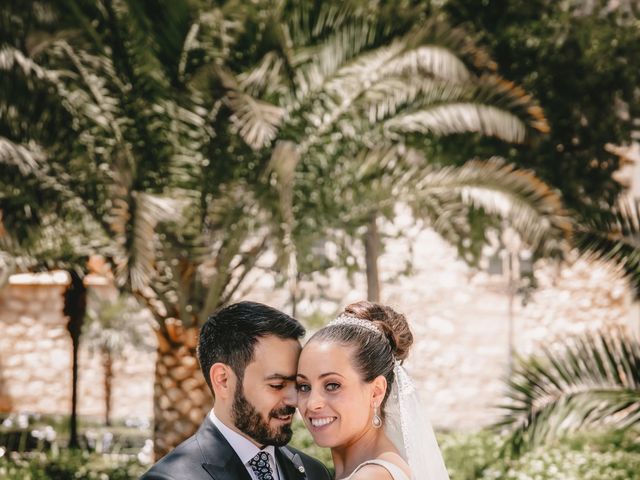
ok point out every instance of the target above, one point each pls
(376, 421)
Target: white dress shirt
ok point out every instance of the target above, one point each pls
(245, 449)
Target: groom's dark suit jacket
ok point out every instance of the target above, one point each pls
(207, 455)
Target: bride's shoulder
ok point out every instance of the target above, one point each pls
(371, 471)
(387, 466)
(397, 460)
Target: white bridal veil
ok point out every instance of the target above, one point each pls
(409, 428)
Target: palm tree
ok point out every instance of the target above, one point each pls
(112, 326)
(188, 140)
(127, 175)
(334, 86)
(103, 181)
(586, 381)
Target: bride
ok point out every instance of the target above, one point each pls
(356, 398)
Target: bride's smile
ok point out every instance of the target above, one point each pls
(334, 401)
(318, 423)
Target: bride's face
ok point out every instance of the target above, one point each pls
(334, 401)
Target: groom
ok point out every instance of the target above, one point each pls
(248, 353)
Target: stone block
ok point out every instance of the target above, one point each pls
(19, 292)
(14, 331)
(12, 361)
(12, 306)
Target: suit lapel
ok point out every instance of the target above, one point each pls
(290, 464)
(221, 461)
(234, 470)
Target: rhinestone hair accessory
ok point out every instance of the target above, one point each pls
(344, 319)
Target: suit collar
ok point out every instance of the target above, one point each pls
(222, 463)
(220, 460)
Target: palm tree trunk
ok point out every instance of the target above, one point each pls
(107, 366)
(372, 252)
(181, 396)
(75, 307)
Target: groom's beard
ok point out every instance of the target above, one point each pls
(249, 421)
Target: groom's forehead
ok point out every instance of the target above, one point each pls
(274, 356)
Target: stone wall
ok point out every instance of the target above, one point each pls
(35, 363)
(459, 318)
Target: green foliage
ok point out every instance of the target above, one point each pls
(590, 380)
(190, 138)
(69, 465)
(113, 324)
(565, 463)
(613, 236)
(468, 455)
(579, 60)
(601, 455)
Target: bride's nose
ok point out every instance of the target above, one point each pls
(315, 400)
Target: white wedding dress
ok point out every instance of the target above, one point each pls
(395, 471)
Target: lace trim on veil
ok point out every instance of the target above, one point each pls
(408, 427)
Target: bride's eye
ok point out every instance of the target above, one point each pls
(303, 387)
(331, 387)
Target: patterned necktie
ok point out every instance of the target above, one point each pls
(261, 467)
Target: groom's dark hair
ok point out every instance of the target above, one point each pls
(230, 334)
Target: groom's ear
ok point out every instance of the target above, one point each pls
(222, 380)
(379, 389)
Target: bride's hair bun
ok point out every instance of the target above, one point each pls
(392, 324)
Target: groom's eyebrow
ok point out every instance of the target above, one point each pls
(279, 376)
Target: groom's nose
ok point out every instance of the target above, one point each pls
(291, 395)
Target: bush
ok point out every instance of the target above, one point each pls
(594, 456)
(468, 455)
(563, 463)
(69, 465)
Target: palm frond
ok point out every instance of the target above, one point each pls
(494, 90)
(460, 118)
(518, 196)
(429, 60)
(384, 98)
(135, 226)
(614, 237)
(446, 197)
(585, 381)
(255, 121)
(11, 58)
(344, 33)
(27, 158)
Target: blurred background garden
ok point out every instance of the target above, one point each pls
(473, 163)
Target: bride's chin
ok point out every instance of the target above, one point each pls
(322, 442)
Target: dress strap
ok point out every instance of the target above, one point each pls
(396, 472)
